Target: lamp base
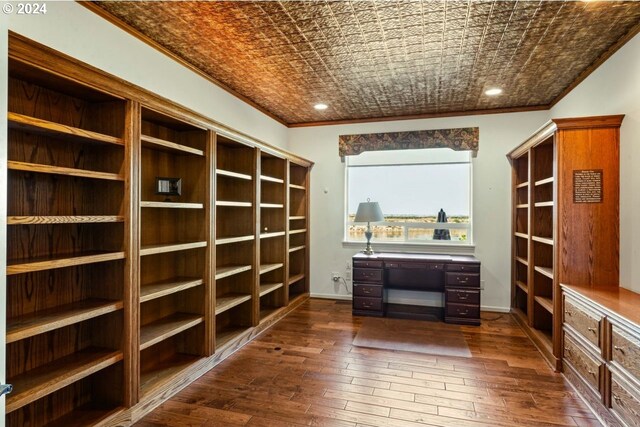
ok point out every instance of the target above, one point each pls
(368, 234)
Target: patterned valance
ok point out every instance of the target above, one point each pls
(459, 139)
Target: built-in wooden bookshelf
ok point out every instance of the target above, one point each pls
(117, 296)
(273, 240)
(237, 181)
(175, 248)
(298, 244)
(67, 257)
(557, 236)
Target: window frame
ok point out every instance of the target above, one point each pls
(444, 245)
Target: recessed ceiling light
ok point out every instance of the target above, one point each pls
(321, 106)
(493, 91)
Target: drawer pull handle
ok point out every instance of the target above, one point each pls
(592, 373)
(617, 398)
(366, 291)
(465, 280)
(592, 330)
(366, 305)
(568, 312)
(463, 312)
(567, 350)
(620, 349)
(462, 297)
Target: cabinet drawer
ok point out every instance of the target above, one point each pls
(364, 303)
(416, 265)
(463, 296)
(467, 268)
(625, 401)
(361, 290)
(367, 275)
(463, 310)
(626, 351)
(471, 280)
(583, 320)
(367, 264)
(588, 367)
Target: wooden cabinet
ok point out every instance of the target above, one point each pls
(605, 371)
(120, 293)
(565, 191)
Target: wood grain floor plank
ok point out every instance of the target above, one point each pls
(305, 371)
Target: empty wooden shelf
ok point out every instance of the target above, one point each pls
(39, 382)
(57, 170)
(166, 327)
(230, 270)
(39, 322)
(69, 219)
(160, 249)
(167, 287)
(269, 287)
(171, 205)
(228, 301)
(46, 127)
(160, 144)
(48, 263)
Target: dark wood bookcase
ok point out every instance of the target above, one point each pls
(67, 251)
(555, 238)
(118, 296)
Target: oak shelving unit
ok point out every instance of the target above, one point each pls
(175, 245)
(66, 249)
(272, 234)
(298, 245)
(556, 238)
(117, 296)
(236, 199)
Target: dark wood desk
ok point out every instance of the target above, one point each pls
(456, 276)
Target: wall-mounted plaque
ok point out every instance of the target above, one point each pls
(587, 186)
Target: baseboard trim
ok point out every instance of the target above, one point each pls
(332, 296)
(495, 309)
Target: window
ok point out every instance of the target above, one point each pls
(411, 187)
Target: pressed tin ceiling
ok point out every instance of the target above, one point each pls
(383, 59)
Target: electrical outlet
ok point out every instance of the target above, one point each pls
(348, 267)
(335, 276)
(347, 275)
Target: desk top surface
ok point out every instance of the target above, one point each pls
(396, 256)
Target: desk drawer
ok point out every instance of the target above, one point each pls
(467, 268)
(471, 280)
(367, 275)
(626, 351)
(463, 296)
(415, 265)
(360, 290)
(368, 264)
(584, 321)
(364, 303)
(463, 310)
(587, 366)
(625, 401)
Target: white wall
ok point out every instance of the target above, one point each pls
(614, 88)
(74, 30)
(491, 197)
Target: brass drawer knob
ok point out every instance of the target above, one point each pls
(592, 330)
(620, 349)
(568, 312)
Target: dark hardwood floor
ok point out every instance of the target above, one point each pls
(305, 371)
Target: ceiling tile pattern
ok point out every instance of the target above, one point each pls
(380, 59)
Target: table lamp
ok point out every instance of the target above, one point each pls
(368, 212)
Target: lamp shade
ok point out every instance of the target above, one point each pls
(368, 212)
